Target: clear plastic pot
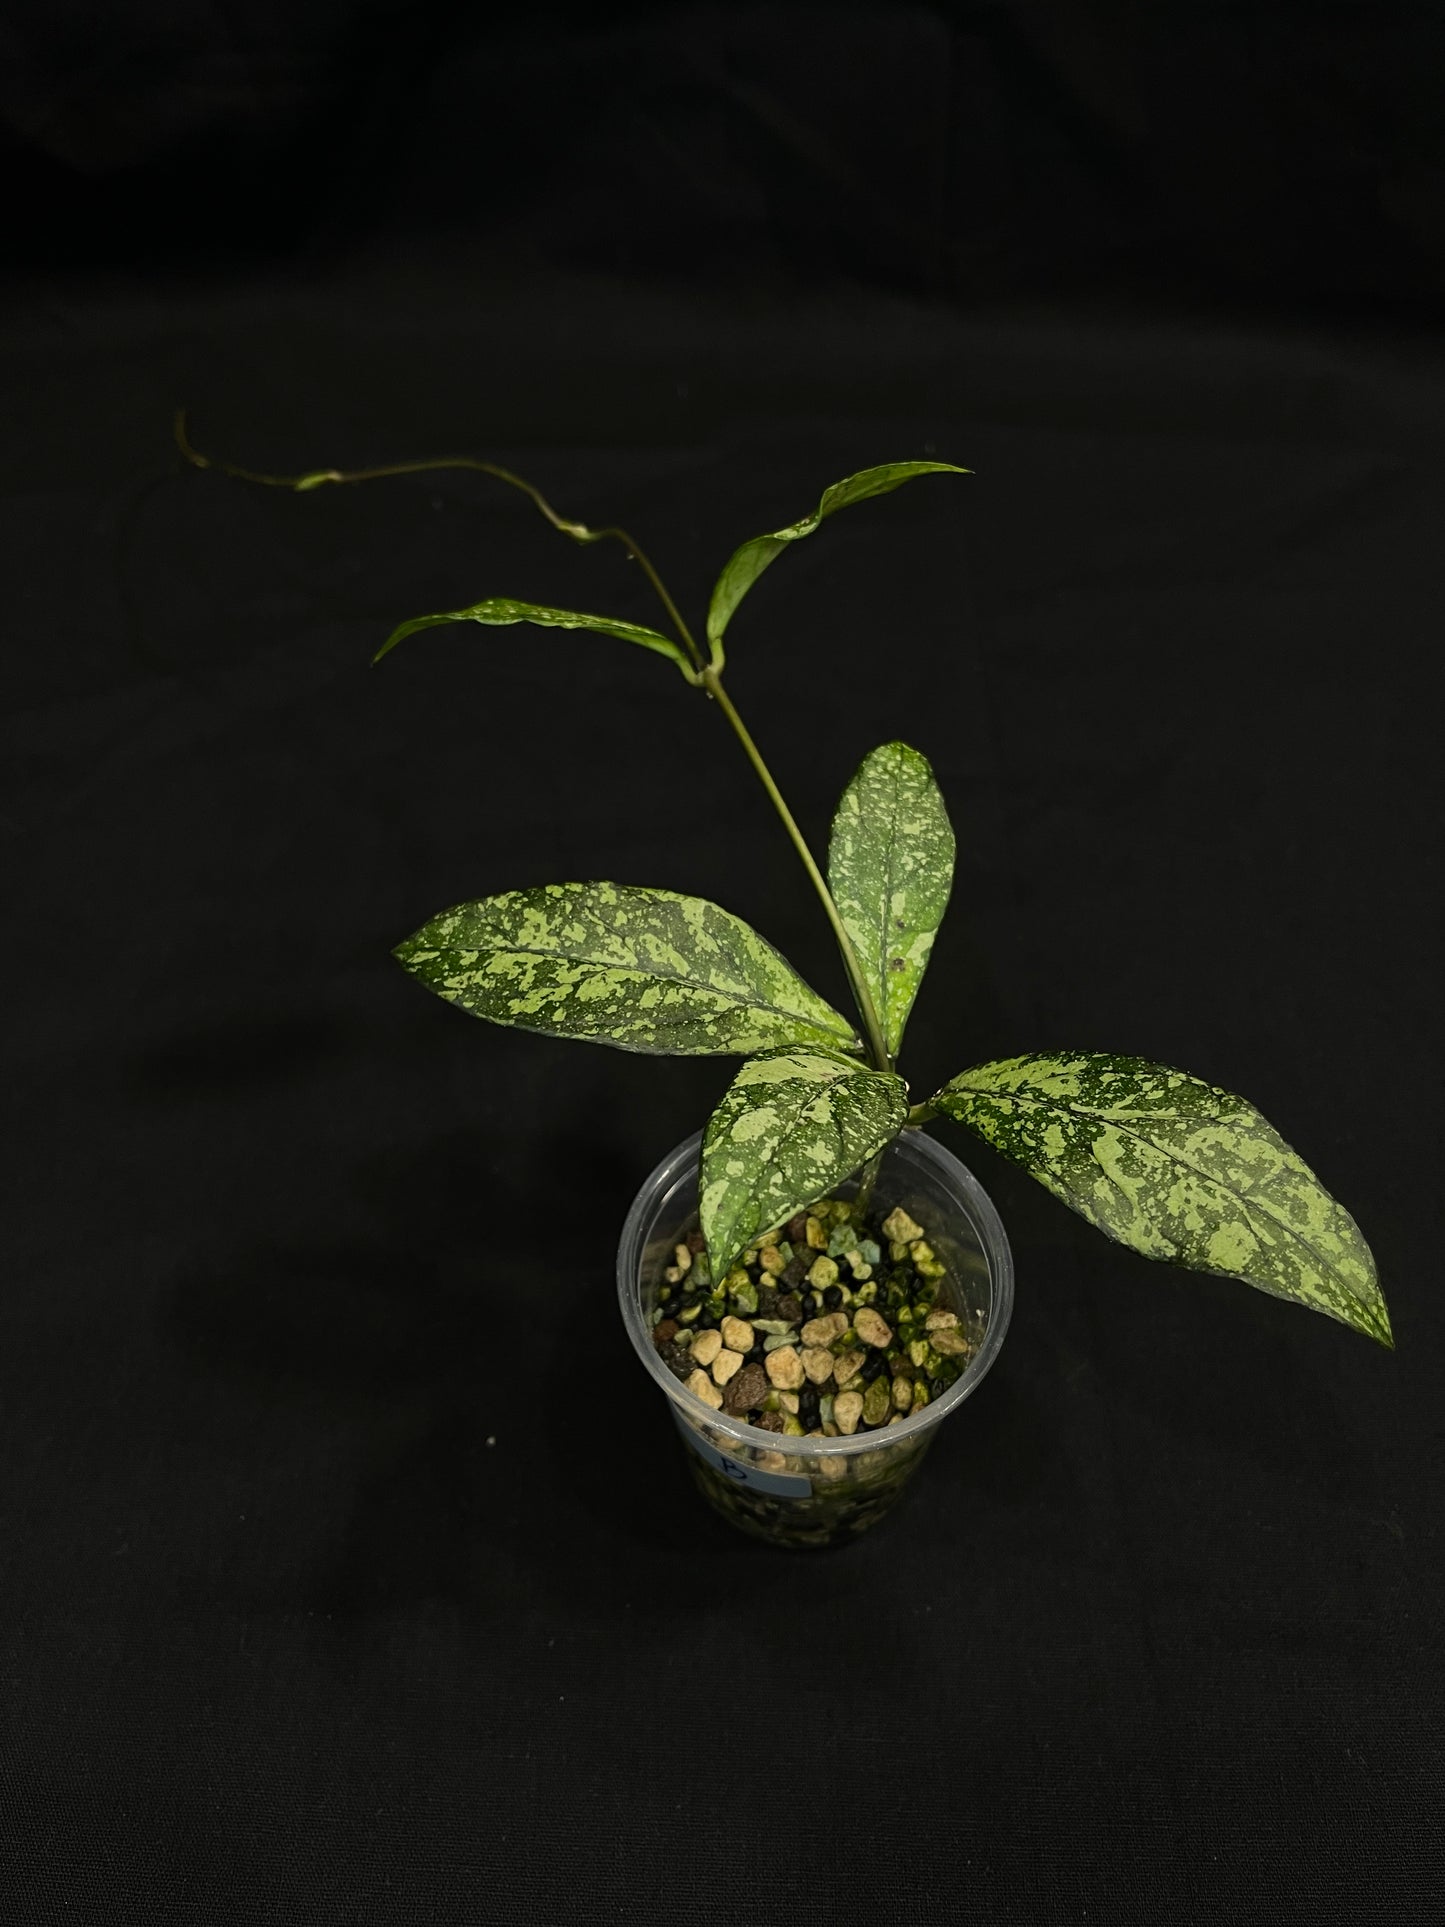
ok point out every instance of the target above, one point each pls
(823, 1491)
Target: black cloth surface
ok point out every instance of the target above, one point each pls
(311, 1612)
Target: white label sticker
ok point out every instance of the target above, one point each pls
(777, 1485)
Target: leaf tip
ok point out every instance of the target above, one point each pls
(1379, 1327)
(399, 634)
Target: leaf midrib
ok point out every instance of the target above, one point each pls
(1246, 1198)
(659, 976)
(885, 905)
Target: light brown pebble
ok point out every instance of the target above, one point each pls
(899, 1228)
(903, 1391)
(772, 1462)
(785, 1368)
(682, 1257)
(822, 1331)
(817, 1236)
(737, 1334)
(772, 1260)
(847, 1410)
(725, 1364)
(701, 1386)
(706, 1346)
(940, 1321)
(818, 1363)
(848, 1364)
(789, 1402)
(871, 1328)
(831, 1465)
(822, 1273)
(951, 1342)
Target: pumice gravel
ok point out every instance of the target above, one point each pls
(825, 1328)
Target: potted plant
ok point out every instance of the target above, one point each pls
(813, 1280)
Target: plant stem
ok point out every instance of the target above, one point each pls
(578, 531)
(868, 1010)
(867, 1178)
(706, 676)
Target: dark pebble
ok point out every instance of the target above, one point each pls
(665, 1332)
(790, 1308)
(813, 1303)
(936, 1388)
(768, 1303)
(796, 1269)
(758, 1353)
(769, 1421)
(696, 1242)
(872, 1366)
(680, 1361)
(808, 1407)
(746, 1390)
(798, 1229)
(833, 1297)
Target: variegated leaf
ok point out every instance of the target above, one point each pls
(792, 1124)
(501, 612)
(646, 970)
(747, 563)
(890, 868)
(1179, 1171)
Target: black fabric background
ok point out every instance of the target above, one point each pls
(308, 1613)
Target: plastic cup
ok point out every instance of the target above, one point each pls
(823, 1491)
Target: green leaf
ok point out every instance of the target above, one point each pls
(501, 612)
(890, 868)
(792, 1124)
(748, 562)
(1179, 1171)
(646, 970)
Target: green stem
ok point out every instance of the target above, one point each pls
(707, 677)
(868, 1010)
(867, 1178)
(578, 531)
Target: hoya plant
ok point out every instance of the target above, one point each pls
(1153, 1157)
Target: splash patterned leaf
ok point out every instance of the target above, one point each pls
(646, 970)
(1179, 1171)
(890, 867)
(501, 612)
(792, 1124)
(747, 563)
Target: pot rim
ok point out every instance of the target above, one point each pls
(970, 1198)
